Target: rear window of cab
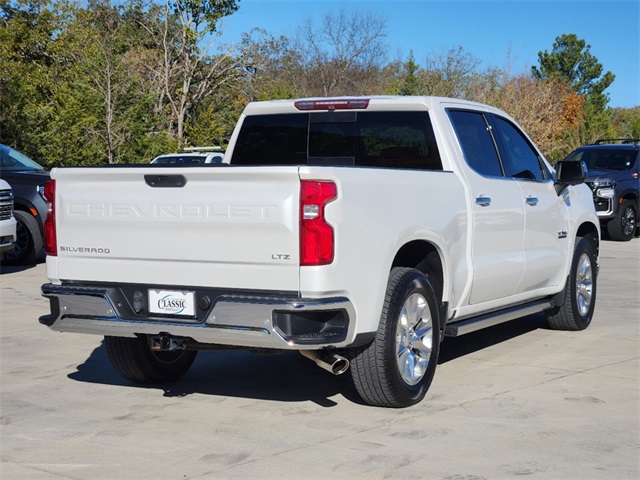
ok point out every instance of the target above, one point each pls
(367, 139)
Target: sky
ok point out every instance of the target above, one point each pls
(499, 33)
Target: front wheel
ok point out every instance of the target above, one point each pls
(397, 368)
(580, 293)
(28, 241)
(623, 227)
(133, 359)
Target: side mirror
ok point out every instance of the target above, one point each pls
(570, 173)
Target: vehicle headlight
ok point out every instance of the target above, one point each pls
(605, 192)
(605, 189)
(41, 192)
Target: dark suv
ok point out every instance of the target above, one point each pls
(27, 180)
(614, 178)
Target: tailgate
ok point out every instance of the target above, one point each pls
(230, 227)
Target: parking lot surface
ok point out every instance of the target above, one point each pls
(514, 400)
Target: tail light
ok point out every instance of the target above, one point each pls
(316, 235)
(50, 236)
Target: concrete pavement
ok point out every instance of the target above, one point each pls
(514, 400)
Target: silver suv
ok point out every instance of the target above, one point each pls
(7, 221)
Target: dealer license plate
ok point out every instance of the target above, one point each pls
(172, 302)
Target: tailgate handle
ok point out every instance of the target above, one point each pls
(165, 181)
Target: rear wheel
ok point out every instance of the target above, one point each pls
(397, 368)
(28, 241)
(580, 293)
(623, 226)
(133, 359)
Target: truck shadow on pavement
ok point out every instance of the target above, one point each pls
(455, 347)
(286, 376)
(6, 269)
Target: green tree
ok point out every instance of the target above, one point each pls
(26, 37)
(571, 61)
(411, 84)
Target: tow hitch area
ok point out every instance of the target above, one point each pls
(166, 343)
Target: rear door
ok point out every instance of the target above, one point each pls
(497, 211)
(212, 226)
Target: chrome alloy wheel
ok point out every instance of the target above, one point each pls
(584, 284)
(414, 338)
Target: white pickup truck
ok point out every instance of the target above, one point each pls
(358, 231)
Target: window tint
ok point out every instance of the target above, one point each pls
(272, 140)
(518, 156)
(373, 139)
(397, 140)
(476, 142)
(332, 140)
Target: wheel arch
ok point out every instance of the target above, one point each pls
(633, 196)
(424, 256)
(589, 231)
(28, 207)
(427, 258)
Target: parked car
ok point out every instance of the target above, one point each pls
(7, 221)
(614, 178)
(27, 179)
(192, 155)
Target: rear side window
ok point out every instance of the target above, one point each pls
(371, 139)
(476, 142)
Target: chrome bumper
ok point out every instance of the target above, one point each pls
(238, 320)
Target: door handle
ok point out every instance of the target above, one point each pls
(483, 201)
(533, 201)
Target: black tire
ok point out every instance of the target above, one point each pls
(375, 368)
(28, 241)
(622, 228)
(580, 293)
(133, 359)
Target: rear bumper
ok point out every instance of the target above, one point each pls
(248, 319)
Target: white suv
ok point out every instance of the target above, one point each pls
(191, 155)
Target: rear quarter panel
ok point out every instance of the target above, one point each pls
(377, 212)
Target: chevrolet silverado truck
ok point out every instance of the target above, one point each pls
(357, 231)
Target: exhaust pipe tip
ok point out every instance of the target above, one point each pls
(331, 362)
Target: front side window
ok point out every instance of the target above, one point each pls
(476, 142)
(518, 156)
